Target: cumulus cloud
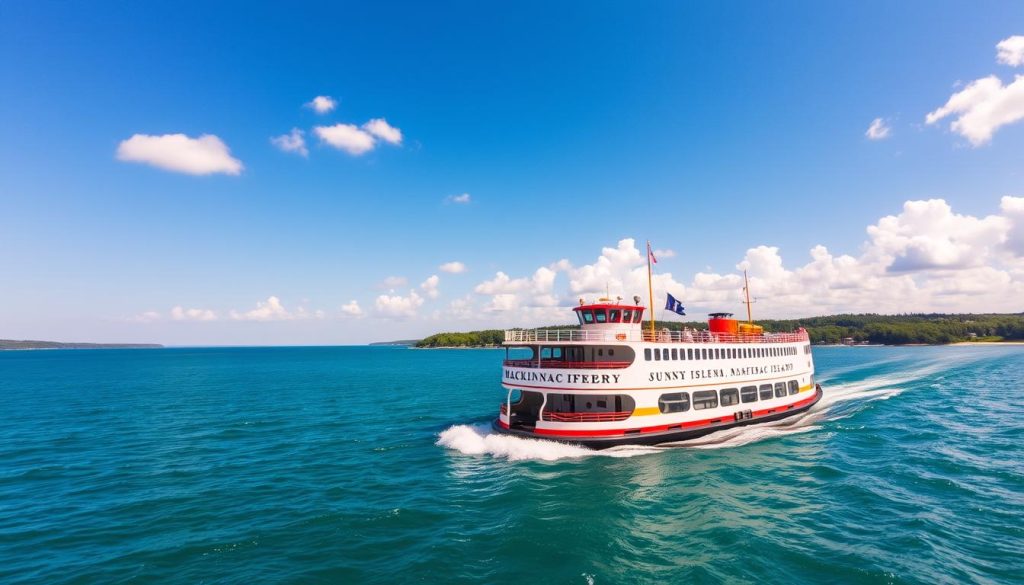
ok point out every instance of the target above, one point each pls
(358, 141)
(182, 314)
(927, 257)
(380, 128)
(273, 310)
(464, 198)
(346, 137)
(205, 155)
(1010, 51)
(394, 282)
(429, 286)
(352, 309)
(291, 142)
(982, 108)
(322, 104)
(878, 130)
(397, 306)
(454, 267)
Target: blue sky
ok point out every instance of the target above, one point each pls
(712, 131)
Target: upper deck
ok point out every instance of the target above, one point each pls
(531, 336)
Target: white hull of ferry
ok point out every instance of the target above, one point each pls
(610, 383)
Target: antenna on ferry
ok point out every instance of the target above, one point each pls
(746, 291)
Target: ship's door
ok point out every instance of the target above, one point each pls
(525, 411)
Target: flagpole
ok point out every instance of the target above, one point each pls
(650, 287)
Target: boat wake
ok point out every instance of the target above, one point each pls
(841, 400)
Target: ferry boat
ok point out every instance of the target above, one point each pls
(612, 382)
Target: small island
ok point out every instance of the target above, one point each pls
(32, 344)
(861, 329)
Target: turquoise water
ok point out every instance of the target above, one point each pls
(374, 465)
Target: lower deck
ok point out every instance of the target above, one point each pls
(652, 435)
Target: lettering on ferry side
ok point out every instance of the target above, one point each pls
(561, 377)
(666, 376)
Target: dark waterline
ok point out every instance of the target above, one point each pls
(320, 465)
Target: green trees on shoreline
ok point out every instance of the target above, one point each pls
(934, 328)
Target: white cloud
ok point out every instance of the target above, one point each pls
(429, 286)
(273, 310)
(878, 130)
(982, 108)
(1010, 51)
(147, 317)
(182, 314)
(291, 142)
(462, 199)
(394, 282)
(397, 306)
(322, 104)
(925, 258)
(352, 309)
(205, 155)
(454, 267)
(346, 137)
(659, 254)
(380, 128)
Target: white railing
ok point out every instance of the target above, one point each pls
(572, 335)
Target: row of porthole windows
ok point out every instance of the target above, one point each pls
(704, 399)
(659, 354)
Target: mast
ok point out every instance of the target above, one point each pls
(746, 290)
(650, 287)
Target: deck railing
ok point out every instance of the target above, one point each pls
(567, 365)
(585, 416)
(572, 335)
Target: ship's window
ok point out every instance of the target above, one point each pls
(794, 387)
(689, 354)
(602, 404)
(614, 315)
(704, 353)
(600, 351)
(730, 396)
(627, 315)
(600, 315)
(780, 389)
(748, 394)
(515, 396)
(579, 316)
(703, 399)
(588, 316)
(647, 354)
(675, 354)
(637, 316)
(611, 351)
(675, 402)
(556, 352)
(766, 391)
(664, 354)
(657, 355)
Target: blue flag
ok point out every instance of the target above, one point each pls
(675, 306)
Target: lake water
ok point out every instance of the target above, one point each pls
(374, 465)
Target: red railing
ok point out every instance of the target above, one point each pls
(636, 334)
(566, 365)
(585, 416)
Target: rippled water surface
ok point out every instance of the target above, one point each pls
(375, 465)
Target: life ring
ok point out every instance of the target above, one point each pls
(620, 336)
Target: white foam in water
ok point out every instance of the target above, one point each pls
(482, 440)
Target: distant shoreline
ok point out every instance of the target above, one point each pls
(31, 344)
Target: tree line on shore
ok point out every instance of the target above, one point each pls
(933, 328)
